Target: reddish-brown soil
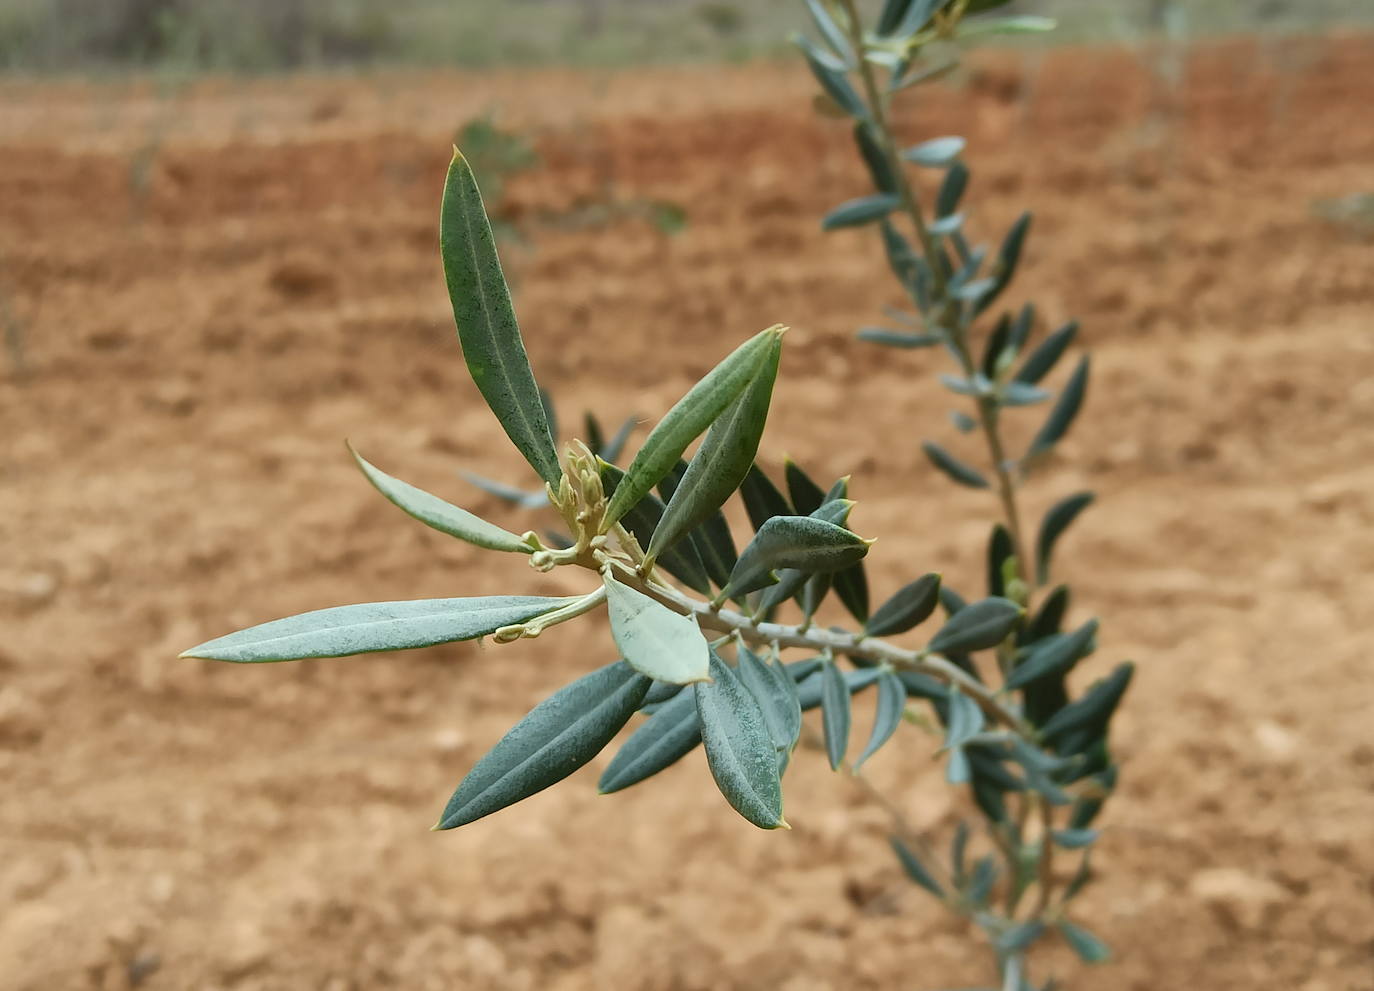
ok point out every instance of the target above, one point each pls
(172, 467)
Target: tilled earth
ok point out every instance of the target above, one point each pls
(214, 286)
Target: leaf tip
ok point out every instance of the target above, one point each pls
(782, 824)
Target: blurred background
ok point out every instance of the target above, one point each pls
(218, 259)
(262, 35)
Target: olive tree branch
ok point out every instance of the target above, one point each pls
(949, 319)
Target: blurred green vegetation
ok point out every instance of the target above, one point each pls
(274, 35)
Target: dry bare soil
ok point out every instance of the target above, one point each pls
(172, 467)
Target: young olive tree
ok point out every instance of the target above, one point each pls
(713, 640)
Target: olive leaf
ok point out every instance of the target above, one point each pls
(671, 733)
(724, 458)
(656, 641)
(953, 467)
(762, 499)
(864, 210)
(830, 73)
(1053, 655)
(688, 418)
(835, 712)
(1043, 359)
(374, 626)
(937, 153)
(801, 542)
(909, 606)
(776, 694)
(914, 868)
(1057, 520)
(739, 749)
(442, 516)
(1062, 415)
(891, 706)
(977, 627)
(1089, 948)
(557, 737)
(492, 345)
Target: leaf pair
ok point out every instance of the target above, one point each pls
(744, 718)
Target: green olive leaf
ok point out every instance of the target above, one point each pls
(977, 627)
(487, 329)
(835, 713)
(557, 737)
(345, 630)
(1057, 520)
(1065, 410)
(672, 732)
(953, 467)
(914, 868)
(739, 750)
(909, 606)
(688, 418)
(440, 515)
(724, 458)
(653, 639)
(802, 542)
(890, 708)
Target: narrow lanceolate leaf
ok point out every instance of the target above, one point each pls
(937, 153)
(559, 735)
(887, 715)
(898, 338)
(776, 694)
(830, 31)
(492, 346)
(1089, 948)
(1087, 718)
(1075, 839)
(879, 167)
(806, 495)
(864, 210)
(1055, 656)
(891, 15)
(724, 458)
(691, 415)
(951, 190)
(911, 605)
(1025, 24)
(655, 640)
(965, 719)
(800, 542)
(739, 749)
(440, 515)
(510, 493)
(830, 73)
(1020, 936)
(835, 713)
(1043, 359)
(918, 14)
(953, 467)
(762, 499)
(1062, 415)
(669, 735)
(345, 630)
(914, 868)
(977, 627)
(1057, 520)
(611, 452)
(1050, 618)
(1009, 255)
(1000, 550)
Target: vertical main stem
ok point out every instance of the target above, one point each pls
(987, 416)
(949, 320)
